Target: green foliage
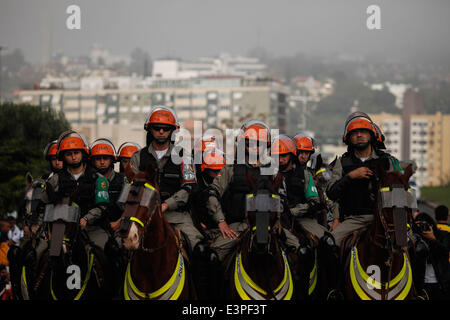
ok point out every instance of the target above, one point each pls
(437, 194)
(25, 131)
(328, 118)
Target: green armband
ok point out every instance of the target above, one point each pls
(101, 190)
(311, 190)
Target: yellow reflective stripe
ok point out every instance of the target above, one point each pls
(170, 282)
(284, 278)
(385, 189)
(365, 276)
(275, 196)
(320, 171)
(313, 273)
(160, 291)
(399, 277)
(86, 280)
(254, 228)
(24, 277)
(130, 281)
(51, 286)
(355, 284)
(249, 280)
(180, 285)
(249, 195)
(149, 186)
(237, 283)
(137, 220)
(405, 291)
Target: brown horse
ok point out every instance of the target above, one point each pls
(378, 265)
(157, 269)
(259, 269)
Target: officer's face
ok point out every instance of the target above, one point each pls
(284, 159)
(102, 162)
(359, 136)
(73, 156)
(125, 162)
(254, 147)
(303, 156)
(161, 132)
(56, 164)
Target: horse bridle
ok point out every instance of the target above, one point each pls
(140, 194)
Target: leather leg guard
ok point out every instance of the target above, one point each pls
(207, 272)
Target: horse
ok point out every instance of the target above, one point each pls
(381, 249)
(72, 267)
(158, 267)
(258, 269)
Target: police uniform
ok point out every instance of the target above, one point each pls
(356, 197)
(231, 188)
(91, 195)
(175, 184)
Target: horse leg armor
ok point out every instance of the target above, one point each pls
(207, 271)
(329, 267)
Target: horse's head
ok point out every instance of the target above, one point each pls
(263, 208)
(395, 203)
(33, 194)
(140, 199)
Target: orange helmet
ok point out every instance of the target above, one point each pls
(71, 140)
(358, 121)
(304, 142)
(127, 149)
(283, 144)
(103, 147)
(213, 159)
(161, 115)
(50, 149)
(255, 130)
(204, 143)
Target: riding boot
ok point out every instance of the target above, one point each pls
(305, 255)
(329, 268)
(206, 271)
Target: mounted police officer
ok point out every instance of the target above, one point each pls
(126, 150)
(231, 187)
(103, 157)
(208, 272)
(306, 153)
(176, 181)
(79, 182)
(354, 182)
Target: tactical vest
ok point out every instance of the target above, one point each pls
(360, 196)
(295, 186)
(82, 191)
(169, 177)
(115, 187)
(234, 199)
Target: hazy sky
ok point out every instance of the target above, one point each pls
(192, 28)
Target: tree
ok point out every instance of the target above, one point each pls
(25, 130)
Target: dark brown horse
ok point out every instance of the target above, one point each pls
(259, 269)
(157, 269)
(378, 265)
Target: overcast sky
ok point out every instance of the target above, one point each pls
(193, 28)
